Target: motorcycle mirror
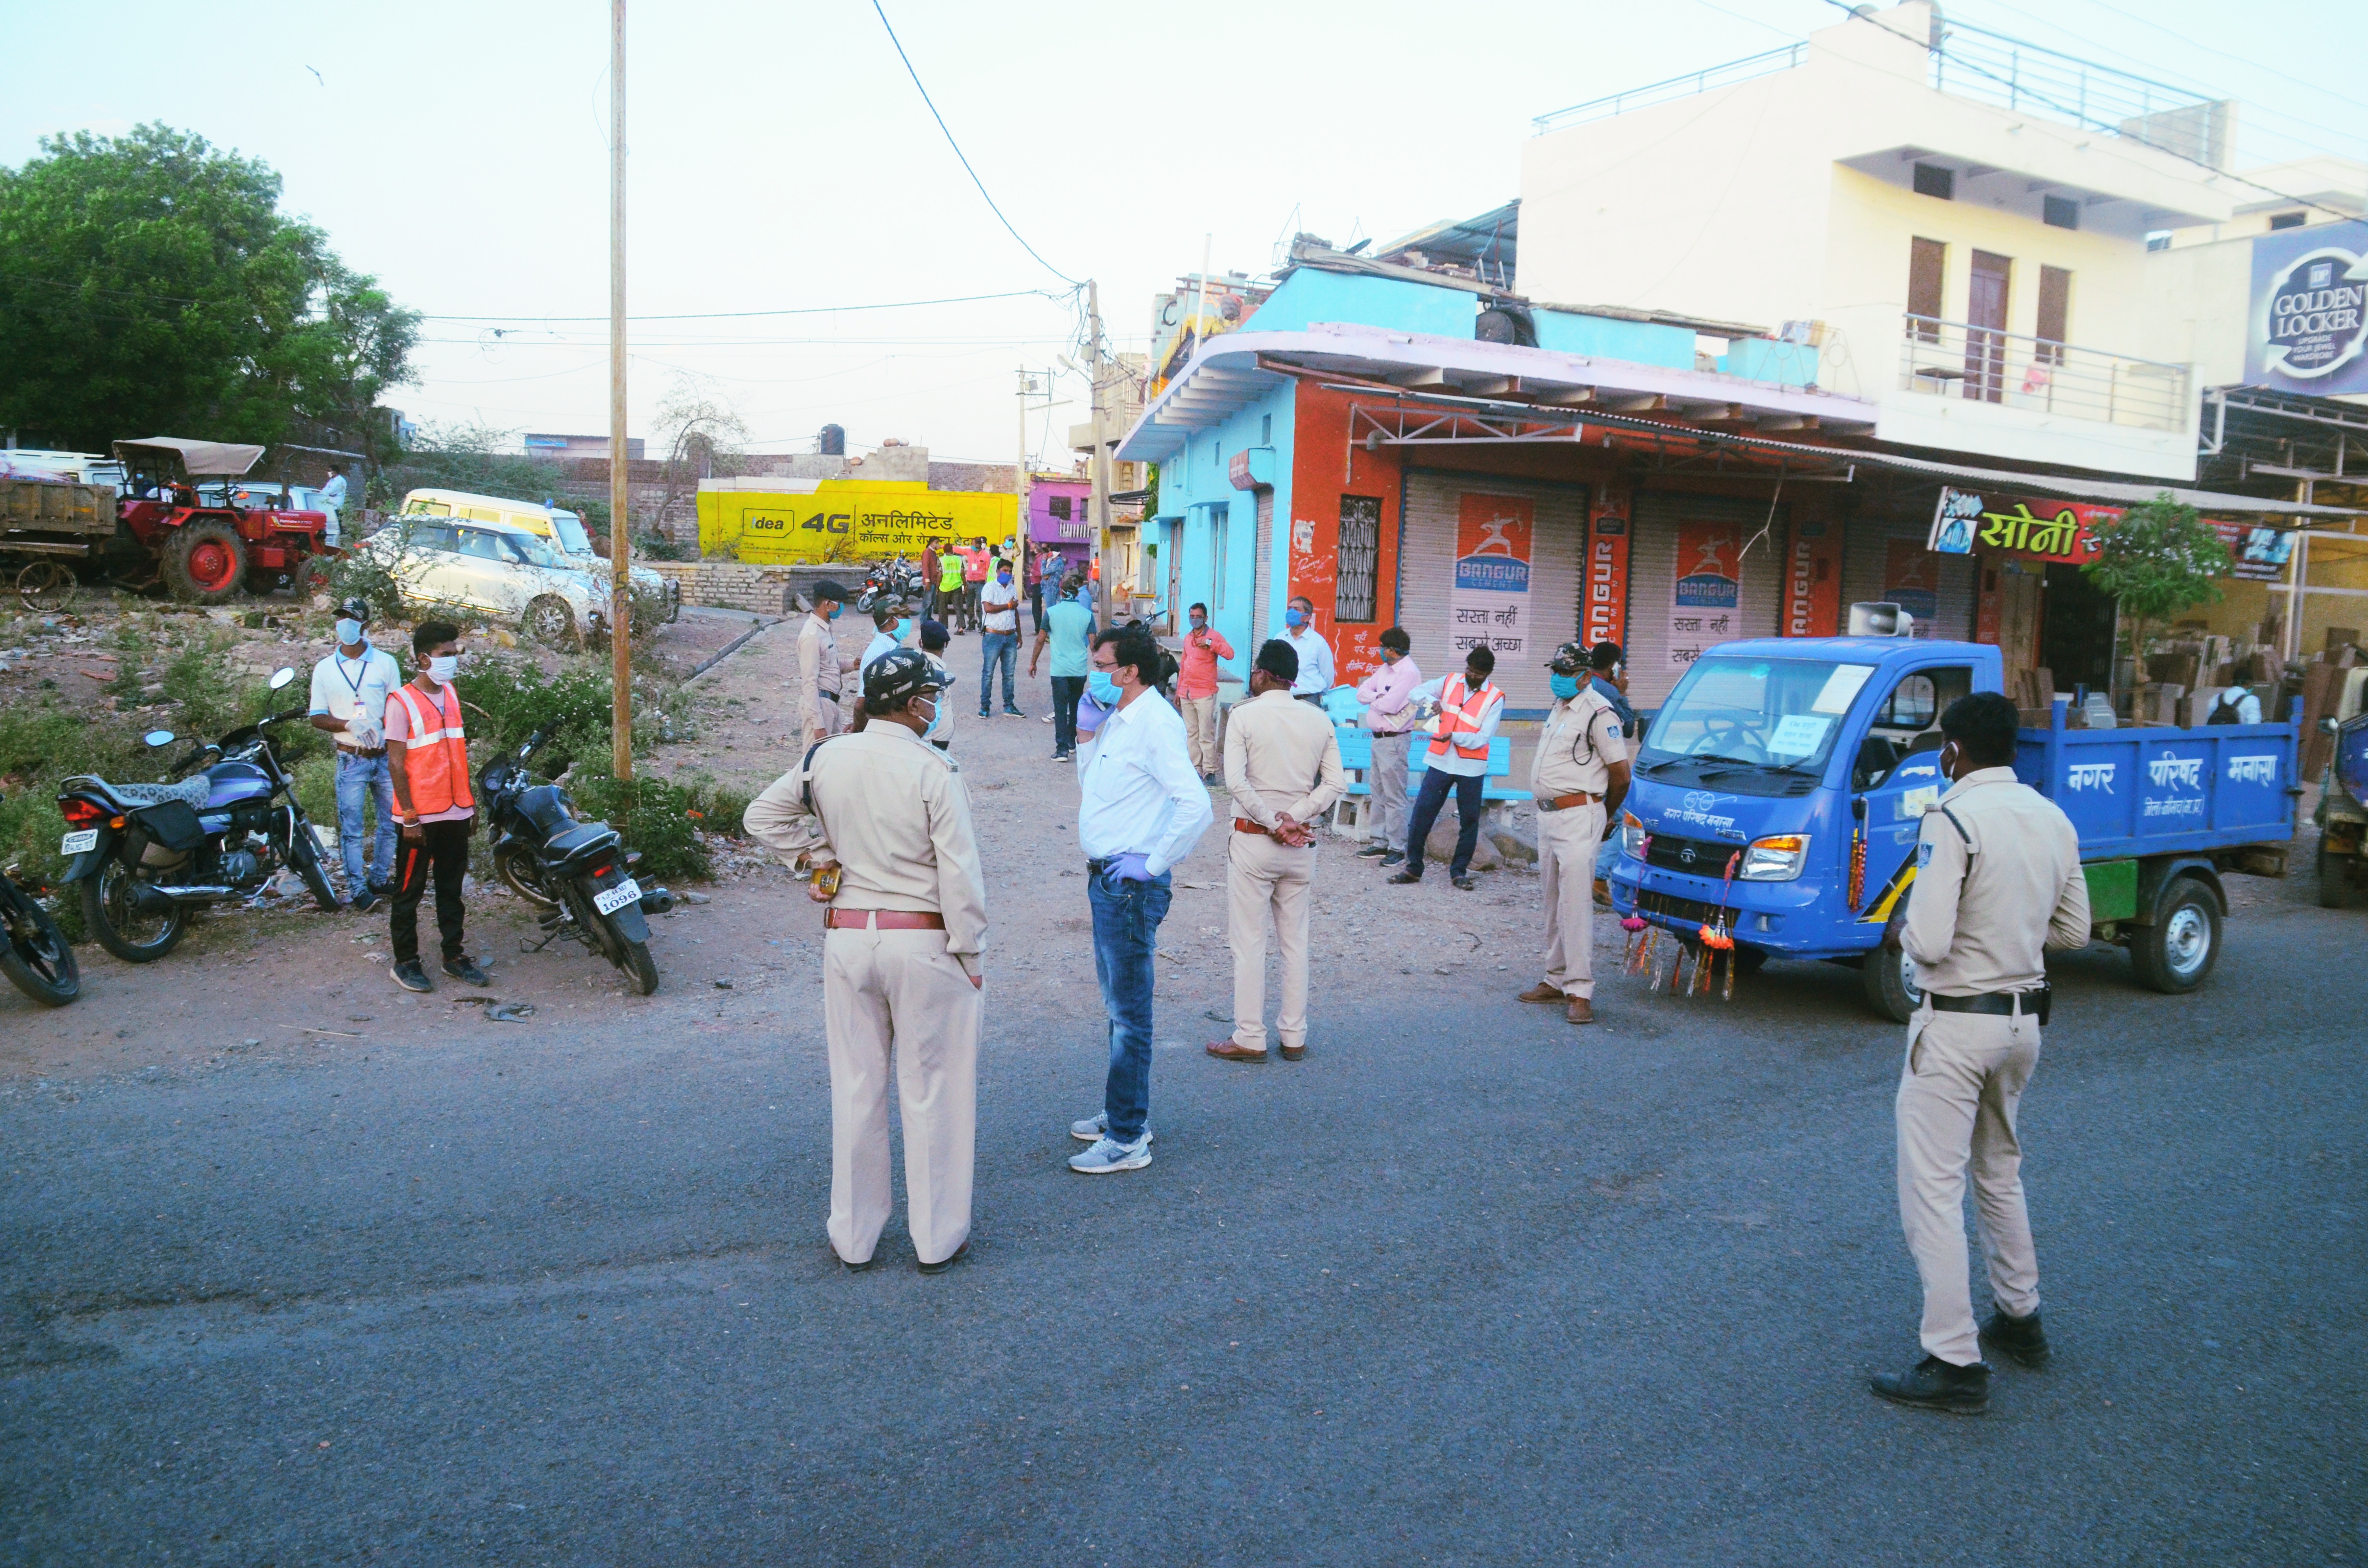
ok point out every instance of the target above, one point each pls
(158, 738)
(282, 677)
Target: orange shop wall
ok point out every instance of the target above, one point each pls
(1325, 468)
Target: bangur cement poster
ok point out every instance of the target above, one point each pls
(1605, 616)
(1911, 579)
(1490, 602)
(1706, 599)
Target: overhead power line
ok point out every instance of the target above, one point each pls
(802, 311)
(959, 153)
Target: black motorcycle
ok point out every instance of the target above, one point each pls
(898, 580)
(578, 874)
(37, 959)
(145, 855)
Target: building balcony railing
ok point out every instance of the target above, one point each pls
(1684, 86)
(1950, 358)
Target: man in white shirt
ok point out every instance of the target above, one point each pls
(1388, 696)
(349, 693)
(1469, 707)
(1314, 653)
(999, 614)
(1142, 810)
(888, 621)
(333, 500)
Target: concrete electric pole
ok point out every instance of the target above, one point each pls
(1097, 470)
(1021, 476)
(620, 553)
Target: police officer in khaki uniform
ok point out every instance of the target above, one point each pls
(886, 819)
(1282, 767)
(1577, 781)
(1998, 880)
(820, 669)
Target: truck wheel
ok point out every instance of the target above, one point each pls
(550, 622)
(1891, 988)
(2178, 950)
(46, 585)
(2334, 879)
(205, 562)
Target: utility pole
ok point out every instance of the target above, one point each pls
(1098, 469)
(621, 552)
(1020, 476)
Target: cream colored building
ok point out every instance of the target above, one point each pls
(1959, 224)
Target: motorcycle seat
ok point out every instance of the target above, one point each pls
(191, 790)
(562, 844)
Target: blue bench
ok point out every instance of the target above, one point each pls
(1357, 761)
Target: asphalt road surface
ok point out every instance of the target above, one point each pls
(1467, 1286)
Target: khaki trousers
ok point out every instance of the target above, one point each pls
(1567, 841)
(827, 720)
(1958, 1091)
(1264, 878)
(900, 994)
(1388, 779)
(1201, 734)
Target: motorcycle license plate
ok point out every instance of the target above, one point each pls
(79, 843)
(616, 898)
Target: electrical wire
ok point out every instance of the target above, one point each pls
(801, 311)
(960, 154)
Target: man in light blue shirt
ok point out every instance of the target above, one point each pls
(1068, 632)
(1141, 809)
(1314, 653)
(349, 693)
(888, 616)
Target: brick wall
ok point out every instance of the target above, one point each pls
(723, 584)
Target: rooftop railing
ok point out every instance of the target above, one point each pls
(1684, 86)
(1950, 358)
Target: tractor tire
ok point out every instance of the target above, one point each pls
(205, 562)
(313, 576)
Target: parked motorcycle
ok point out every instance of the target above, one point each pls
(145, 855)
(890, 580)
(578, 874)
(37, 959)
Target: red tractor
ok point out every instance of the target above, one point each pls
(180, 507)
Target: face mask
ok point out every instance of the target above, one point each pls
(895, 629)
(349, 632)
(1200, 623)
(1295, 618)
(1004, 578)
(443, 667)
(1102, 690)
(834, 612)
(937, 718)
(1564, 686)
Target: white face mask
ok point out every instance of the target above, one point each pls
(443, 667)
(349, 632)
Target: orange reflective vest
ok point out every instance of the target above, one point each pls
(435, 752)
(1461, 709)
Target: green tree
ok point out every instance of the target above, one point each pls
(2158, 559)
(150, 285)
(469, 456)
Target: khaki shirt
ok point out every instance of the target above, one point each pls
(1580, 742)
(1993, 888)
(1281, 757)
(820, 668)
(893, 812)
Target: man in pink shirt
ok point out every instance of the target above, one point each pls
(1196, 693)
(1389, 715)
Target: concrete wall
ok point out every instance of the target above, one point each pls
(1309, 295)
(761, 590)
(2195, 299)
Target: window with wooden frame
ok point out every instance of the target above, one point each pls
(1928, 263)
(1355, 585)
(2054, 312)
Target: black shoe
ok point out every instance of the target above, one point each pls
(411, 977)
(363, 902)
(2019, 1340)
(945, 1263)
(465, 968)
(1374, 852)
(1013, 713)
(1935, 1384)
(985, 714)
(1465, 883)
(1394, 857)
(1402, 878)
(1064, 756)
(851, 1267)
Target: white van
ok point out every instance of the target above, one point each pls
(563, 529)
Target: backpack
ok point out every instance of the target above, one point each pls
(2226, 711)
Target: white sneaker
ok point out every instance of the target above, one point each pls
(1108, 1156)
(1090, 1131)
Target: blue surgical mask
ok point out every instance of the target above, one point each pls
(1102, 690)
(834, 612)
(1295, 618)
(349, 632)
(1004, 578)
(895, 629)
(1564, 686)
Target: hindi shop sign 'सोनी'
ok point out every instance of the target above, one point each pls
(1967, 522)
(1489, 603)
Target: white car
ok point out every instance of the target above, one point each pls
(498, 570)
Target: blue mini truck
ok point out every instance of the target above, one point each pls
(1779, 791)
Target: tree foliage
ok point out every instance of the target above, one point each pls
(150, 285)
(2159, 558)
(469, 456)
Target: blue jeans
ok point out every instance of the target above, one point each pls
(1436, 783)
(359, 780)
(1126, 932)
(998, 648)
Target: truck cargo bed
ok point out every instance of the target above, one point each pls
(47, 506)
(2160, 791)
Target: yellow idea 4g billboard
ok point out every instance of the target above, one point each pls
(847, 521)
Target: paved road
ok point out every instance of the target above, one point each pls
(1467, 1286)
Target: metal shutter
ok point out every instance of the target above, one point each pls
(1261, 574)
(1653, 570)
(1427, 573)
(1866, 556)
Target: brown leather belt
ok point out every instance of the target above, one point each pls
(1244, 825)
(881, 920)
(1565, 802)
(357, 751)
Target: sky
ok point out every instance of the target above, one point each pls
(781, 160)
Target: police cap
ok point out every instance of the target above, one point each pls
(898, 675)
(1570, 659)
(827, 589)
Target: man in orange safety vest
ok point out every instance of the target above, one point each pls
(1468, 707)
(428, 755)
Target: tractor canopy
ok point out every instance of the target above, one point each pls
(226, 459)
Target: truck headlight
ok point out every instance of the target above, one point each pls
(1632, 835)
(1778, 859)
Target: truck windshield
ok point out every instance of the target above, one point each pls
(569, 529)
(1766, 712)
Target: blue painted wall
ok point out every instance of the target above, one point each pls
(1605, 337)
(1197, 498)
(1765, 359)
(1308, 295)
